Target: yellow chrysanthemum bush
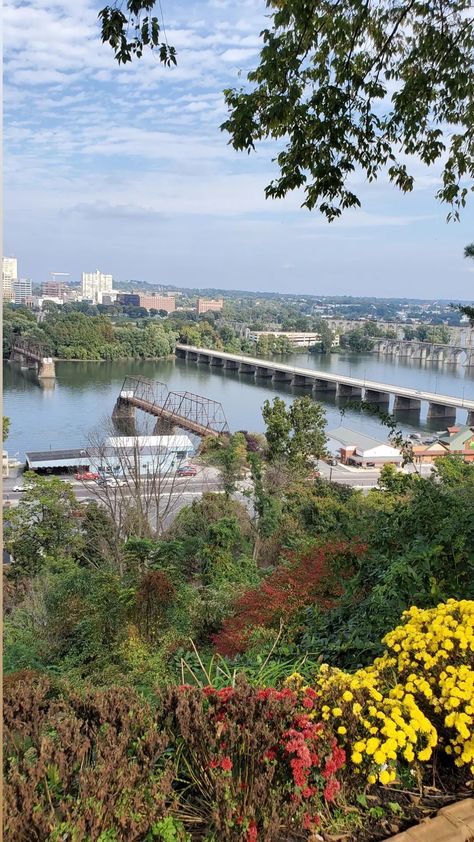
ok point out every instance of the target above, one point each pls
(417, 696)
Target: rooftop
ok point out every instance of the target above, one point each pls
(346, 436)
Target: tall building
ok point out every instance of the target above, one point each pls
(94, 283)
(9, 275)
(206, 304)
(22, 290)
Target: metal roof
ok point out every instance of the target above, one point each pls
(351, 437)
(53, 455)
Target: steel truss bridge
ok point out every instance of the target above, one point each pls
(194, 413)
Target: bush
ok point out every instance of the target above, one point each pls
(251, 765)
(79, 766)
(416, 698)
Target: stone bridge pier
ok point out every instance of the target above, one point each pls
(46, 369)
(247, 368)
(283, 376)
(325, 385)
(218, 362)
(374, 396)
(345, 390)
(403, 404)
(264, 371)
(439, 410)
(124, 417)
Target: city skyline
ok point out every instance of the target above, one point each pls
(126, 168)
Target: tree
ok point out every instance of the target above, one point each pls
(278, 427)
(295, 433)
(5, 427)
(467, 310)
(233, 458)
(308, 442)
(43, 527)
(361, 85)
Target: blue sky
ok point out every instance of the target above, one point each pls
(125, 169)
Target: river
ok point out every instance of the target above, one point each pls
(63, 414)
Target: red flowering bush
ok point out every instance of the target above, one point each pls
(309, 579)
(254, 767)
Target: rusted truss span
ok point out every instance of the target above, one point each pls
(31, 353)
(30, 348)
(191, 412)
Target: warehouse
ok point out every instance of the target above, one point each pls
(364, 451)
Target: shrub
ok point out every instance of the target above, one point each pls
(417, 697)
(311, 578)
(78, 766)
(252, 766)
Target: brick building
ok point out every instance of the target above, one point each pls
(206, 304)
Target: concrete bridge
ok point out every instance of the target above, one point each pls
(31, 354)
(449, 354)
(194, 413)
(439, 406)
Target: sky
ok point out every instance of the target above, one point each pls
(125, 169)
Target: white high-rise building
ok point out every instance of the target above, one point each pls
(22, 290)
(9, 276)
(94, 284)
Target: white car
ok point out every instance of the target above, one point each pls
(20, 488)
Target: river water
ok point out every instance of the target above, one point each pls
(63, 414)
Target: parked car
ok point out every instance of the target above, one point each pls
(111, 482)
(87, 475)
(20, 488)
(186, 471)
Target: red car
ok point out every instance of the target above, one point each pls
(87, 475)
(186, 471)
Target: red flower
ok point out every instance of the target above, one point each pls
(307, 702)
(213, 764)
(252, 834)
(331, 789)
(269, 755)
(226, 764)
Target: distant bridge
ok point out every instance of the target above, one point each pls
(439, 406)
(32, 354)
(198, 415)
(428, 351)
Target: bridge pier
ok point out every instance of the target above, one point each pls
(325, 385)
(204, 358)
(218, 362)
(232, 365)
(124, 418)
(263, 371)
(164, 428)
(193, 356)
(282, 376)
(469, 359)
(403, 404)
(345, 390)
(439, 410)
(46, 369)
(374, 396)
(181, 353)
(301, 380)
(248, 368)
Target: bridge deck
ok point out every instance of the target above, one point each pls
(333, 377)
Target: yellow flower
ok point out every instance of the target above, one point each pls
(347, 696)
(356, 757)
(342, 730)
(385, 777)
(336, 712)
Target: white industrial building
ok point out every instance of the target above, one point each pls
(118, 456)
(364, 451)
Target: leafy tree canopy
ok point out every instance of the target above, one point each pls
(345, 86)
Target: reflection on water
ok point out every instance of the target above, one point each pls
(63, 412)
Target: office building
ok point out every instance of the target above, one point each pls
(206, 304)
(9, 275)
(148, 301)
(22, 291)
(94, 283)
